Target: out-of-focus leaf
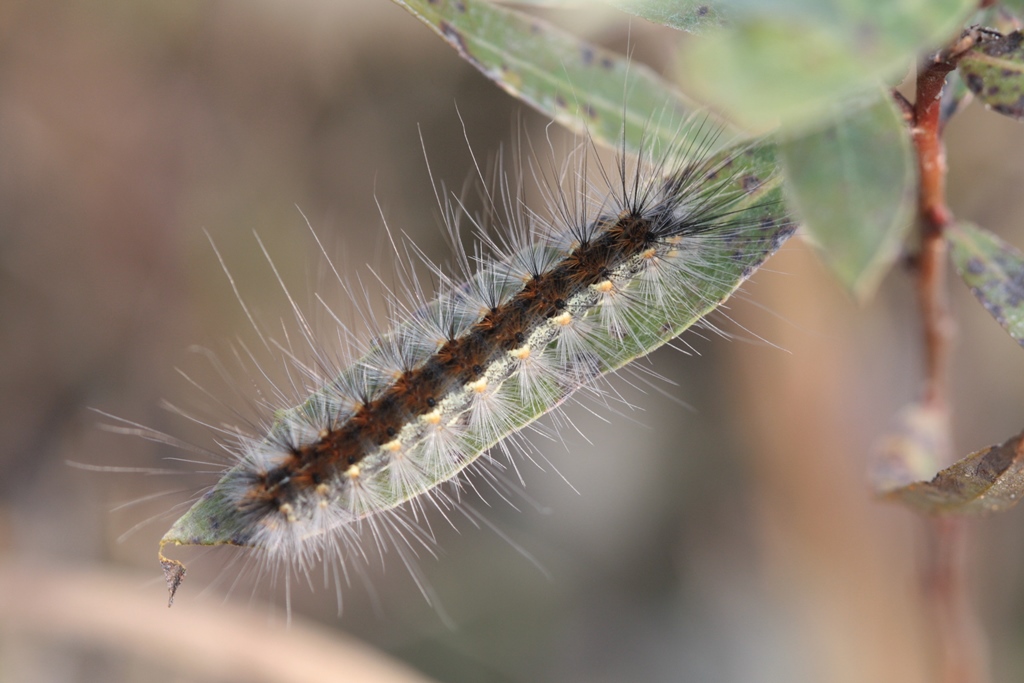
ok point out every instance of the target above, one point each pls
(913, 450)
(693, 16)
(1016, 7)
(787, 61)
(994, 71)
(853, 184)
(955, 95)
(556, 4)
(989, 480)
(580, 85)
(999, 16)
(994, 270)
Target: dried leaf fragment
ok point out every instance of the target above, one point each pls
(174, 574)
(989, 480)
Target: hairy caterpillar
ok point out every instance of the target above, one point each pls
(612, 270)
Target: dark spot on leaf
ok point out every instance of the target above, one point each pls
(994, 462)
(702, 11)
(460, 7)
(1015, 109)
(607, 63)
(975, 266)
(560, 101)
(975, 83)
(784, 234)
(588, 55)
(456, 40)
(750, 183)
(1003, 46)
(994, 309)
(590, 112)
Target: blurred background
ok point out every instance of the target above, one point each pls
(733, 539)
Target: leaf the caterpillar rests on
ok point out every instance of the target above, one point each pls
(611, 271)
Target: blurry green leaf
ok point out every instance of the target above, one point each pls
(787, 61)
(994, 71)
(994, 270)
(583, 87)
(999, 16)
(693, 16)
(1016, 7)
(853, 184)
(557, 4)
(989, 480)
(579, 85)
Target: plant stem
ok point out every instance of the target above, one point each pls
(934, 216)
(961, 642)
(958, 637)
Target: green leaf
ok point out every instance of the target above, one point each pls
(788, 61)
(556, 4)
(994, 71)
(989, 480)
(756, 203)
(853, 184)
(994, 270)
(1015, 7)
(692, 16)
(584, 87)
(553, 71)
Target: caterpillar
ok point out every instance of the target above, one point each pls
(613, 267)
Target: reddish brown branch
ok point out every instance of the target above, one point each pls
(961, 657)
(934, 215)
